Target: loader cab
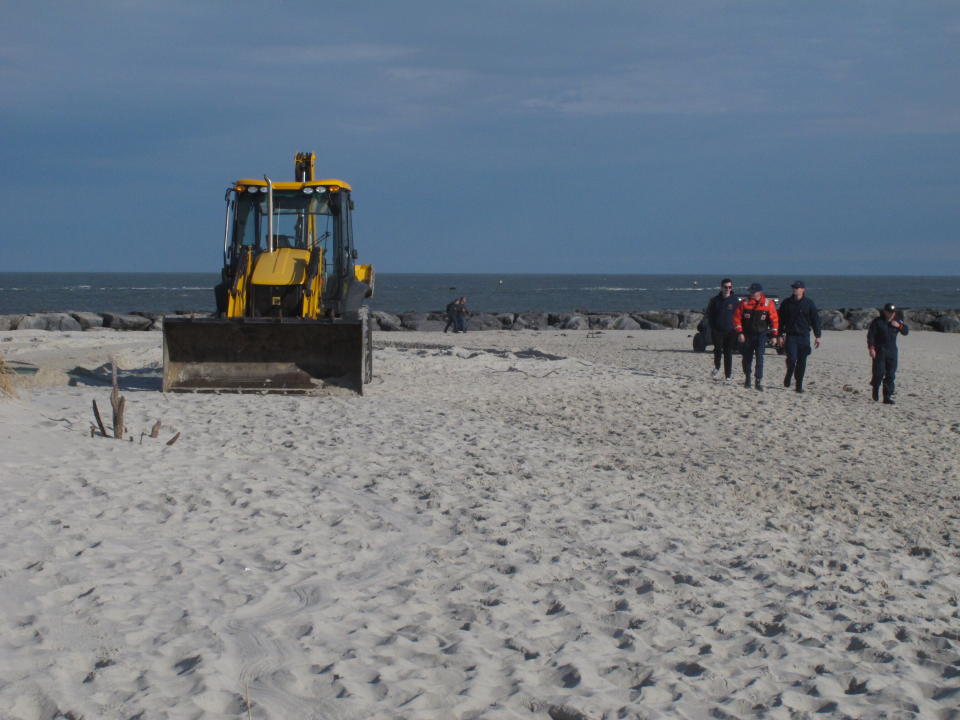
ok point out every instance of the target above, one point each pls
(313, 217)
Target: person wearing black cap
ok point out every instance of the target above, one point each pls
(882, 342)
(798, 315)
(754, 317)
(720, 318)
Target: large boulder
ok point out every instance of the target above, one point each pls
(833, 320)
(48, 321)
(626, 322)
(155, 318)
(575, 322)
(506, 320)
(484, 321)
(644, 324)
(387, 321)
(88, 320)
(947, 324)
(531, 321)
(9, 322)
(689, 319)
(420, 322)
(663, 318)
(860, 318)
(920, 317)
(119, 321)
(603, 321)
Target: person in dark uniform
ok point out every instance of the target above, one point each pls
(753, 319)
(720, 319)
(882, 342)
(460, 313)
(798, 316)
(451, 315)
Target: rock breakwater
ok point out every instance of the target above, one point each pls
(930, 319)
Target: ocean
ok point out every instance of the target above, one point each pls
(399, 292)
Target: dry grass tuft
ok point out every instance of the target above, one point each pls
(6, 380)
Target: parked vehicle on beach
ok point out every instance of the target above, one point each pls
(290, 317)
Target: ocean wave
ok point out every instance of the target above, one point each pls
(157, 289)
(613, 289)
(689, 289)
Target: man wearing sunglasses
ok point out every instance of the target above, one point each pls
(720, 318)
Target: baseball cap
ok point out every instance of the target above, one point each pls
(755, 287)
(798, 284)
(890, 307)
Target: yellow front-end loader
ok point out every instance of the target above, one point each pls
(290, 314)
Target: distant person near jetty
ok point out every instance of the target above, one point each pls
(457, 315)
(451, 315)
(460, 313)
(882, 342)
(719, 313)
(798, 315)
(754, 318)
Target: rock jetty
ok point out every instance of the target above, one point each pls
(841, 319)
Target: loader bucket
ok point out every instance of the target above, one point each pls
(265, 355)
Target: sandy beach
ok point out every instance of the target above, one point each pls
(515, 524)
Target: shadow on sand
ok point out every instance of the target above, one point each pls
(147, 379)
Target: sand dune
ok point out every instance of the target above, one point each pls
(507, 525)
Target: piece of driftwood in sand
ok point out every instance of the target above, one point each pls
(96, 416)
(117, 401)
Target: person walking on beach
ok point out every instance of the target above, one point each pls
(460, 313)
(882, 343)
(451, 315)
(719, 314)
(754, 318)
(798, 316)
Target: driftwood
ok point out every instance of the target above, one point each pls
(118, 402)
(96, 415)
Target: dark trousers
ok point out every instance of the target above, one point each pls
(797, 348)
(754, 345)
(885, 372)
(724, 343)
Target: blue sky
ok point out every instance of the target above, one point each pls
(502, 136)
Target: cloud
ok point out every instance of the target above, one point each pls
(330, 54)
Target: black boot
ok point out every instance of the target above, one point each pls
(876, 393)
(887, 399)
(759, 385)
(799, 386)
(746, 382)
(786, 379)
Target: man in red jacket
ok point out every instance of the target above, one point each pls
(754, 318)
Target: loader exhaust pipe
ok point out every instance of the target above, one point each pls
(269, 213)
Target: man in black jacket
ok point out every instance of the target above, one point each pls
(882, 342)
(720, 319)
(798, 316)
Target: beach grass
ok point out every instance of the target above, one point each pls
(6, 379)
